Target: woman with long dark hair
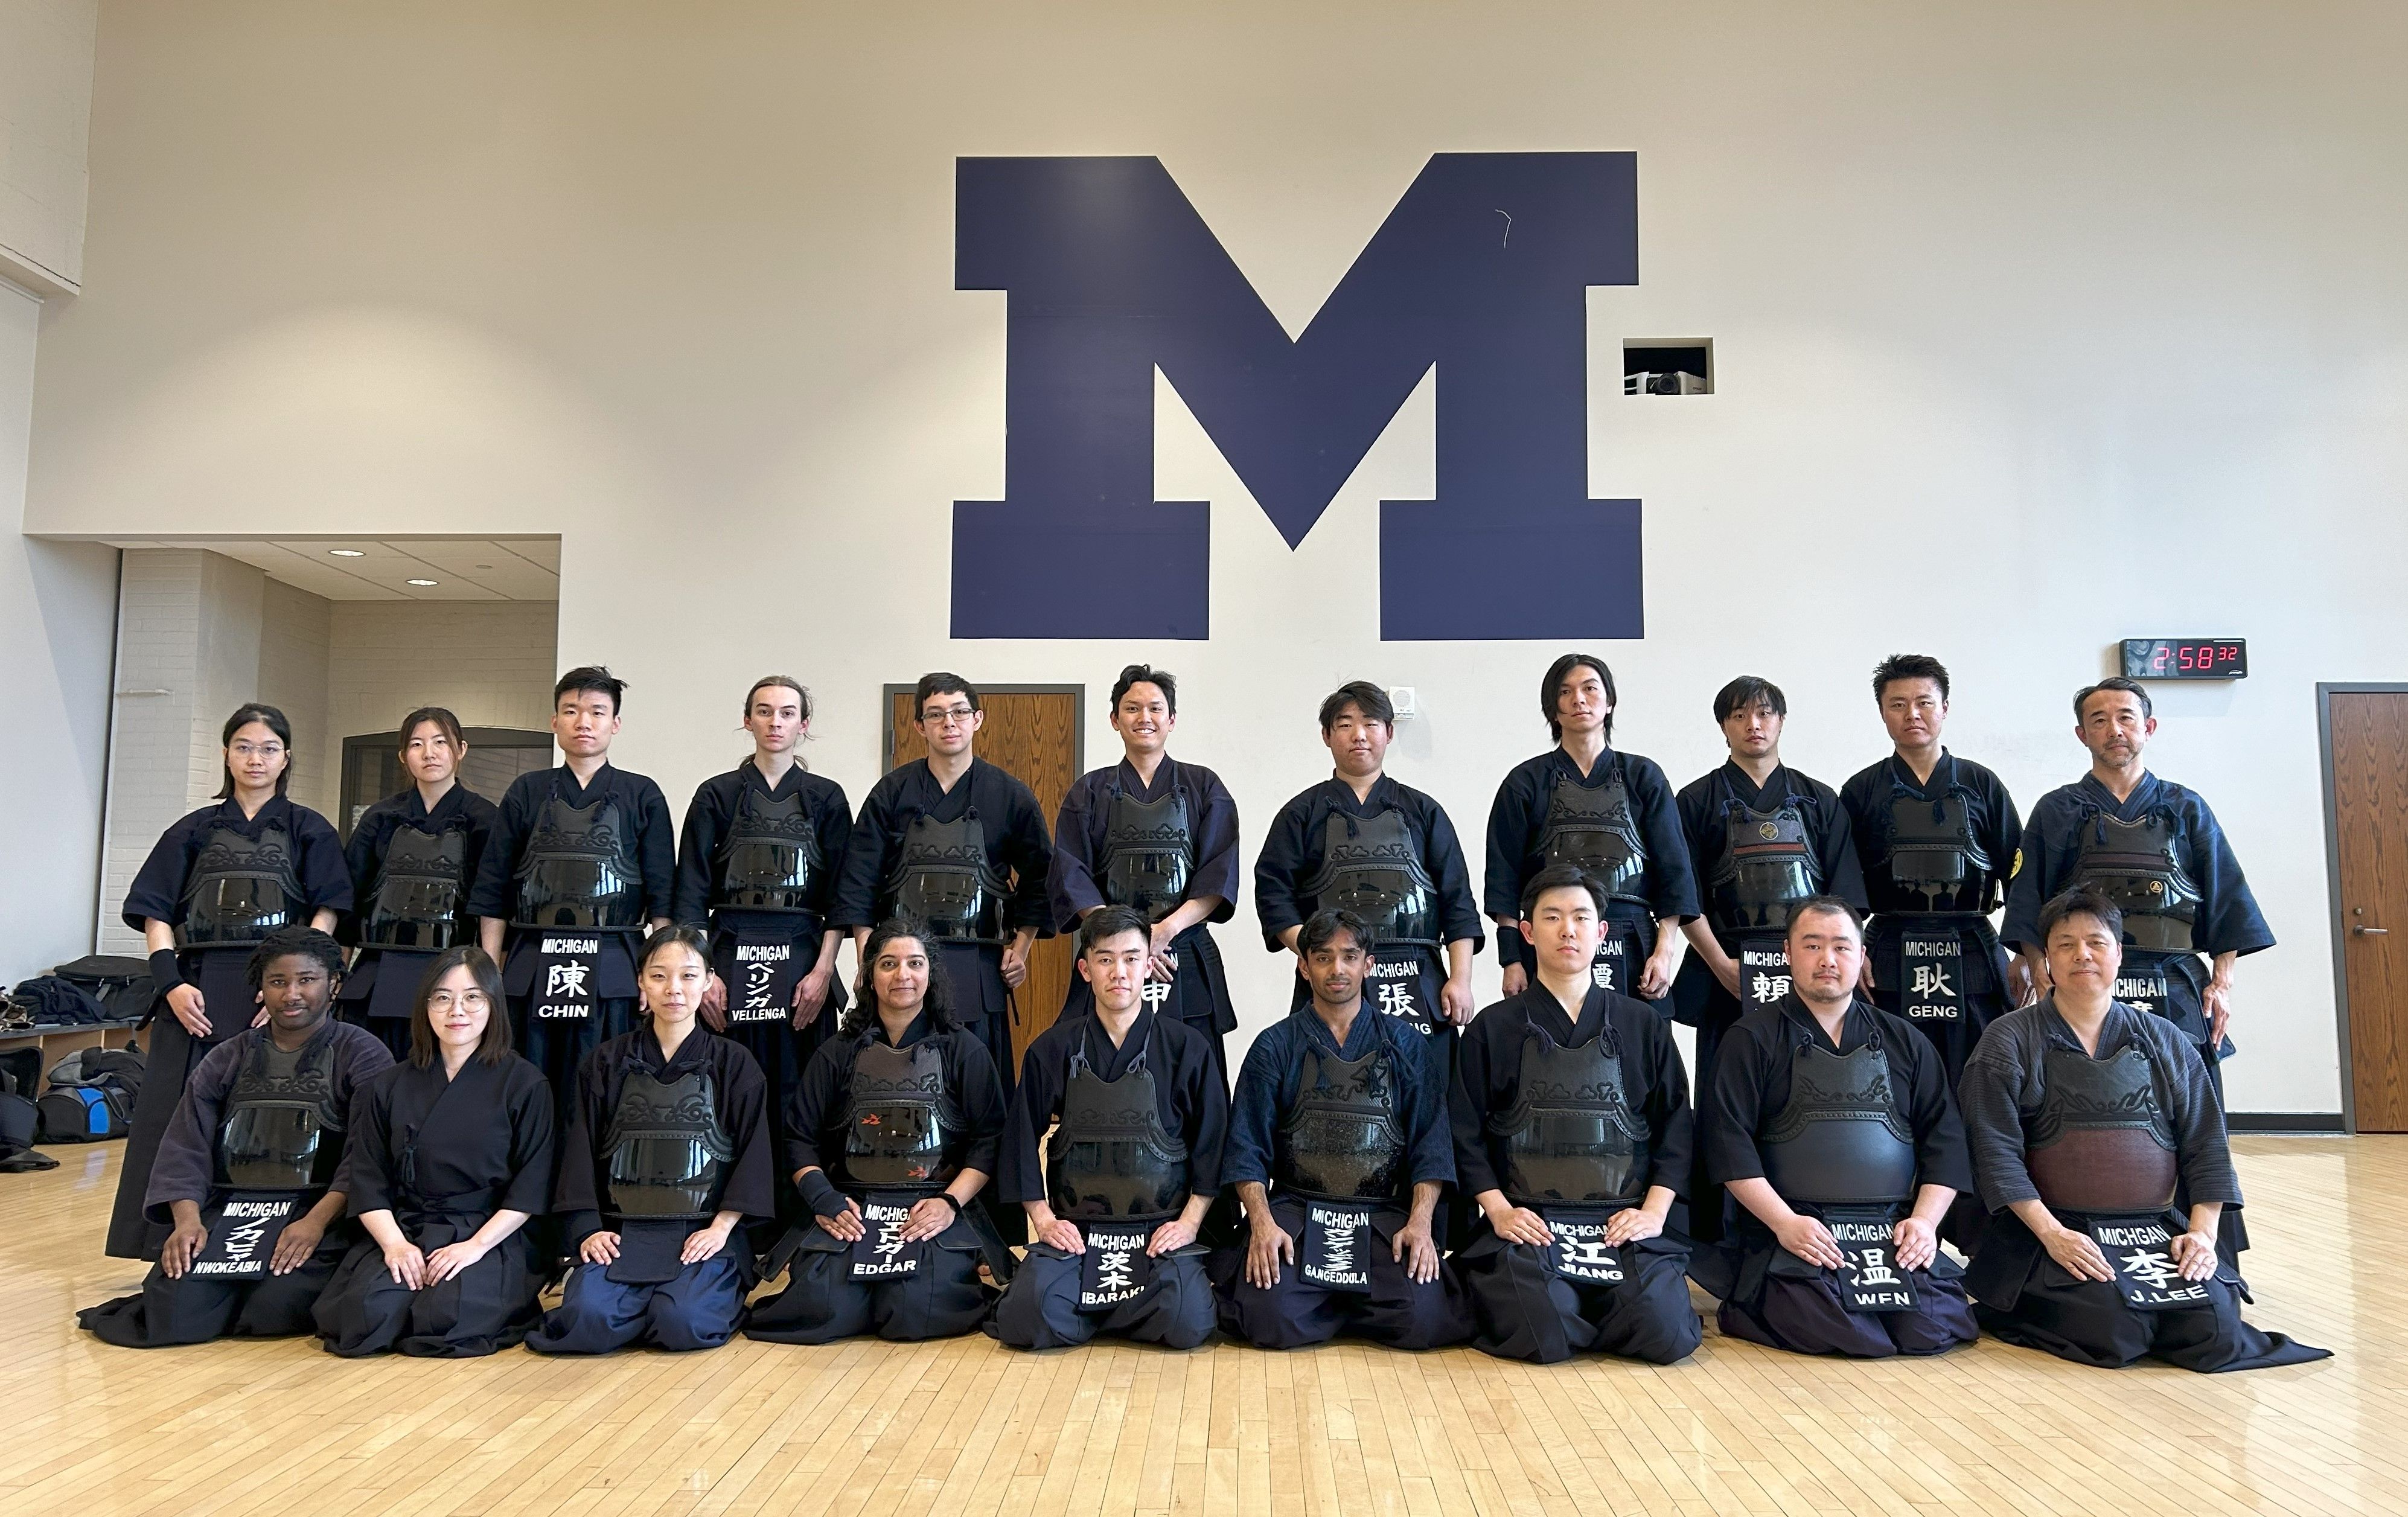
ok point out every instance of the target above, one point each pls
(412, 857)
(450, 1153)
(216, 885)
(896, 1129)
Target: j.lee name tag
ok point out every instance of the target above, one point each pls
(1580, 1251)
(2141, 1252)
(1870, 1276)
(881, 1252)
(1115, 1268)
(243, 1235)
(1335, 1248)
(1763, 972)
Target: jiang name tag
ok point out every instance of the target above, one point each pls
(1581, 1252)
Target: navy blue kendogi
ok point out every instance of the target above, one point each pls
(412, 871)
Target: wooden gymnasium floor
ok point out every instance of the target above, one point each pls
(965, 1427)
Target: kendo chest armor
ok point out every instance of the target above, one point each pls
(1842, 1140)
(1149, 853)
(416, 903)
(282, 1128)
(897, 1118)
(1343, 1140)
(1371, 866)
(1570, 1137)
(943, 881)
(1110, 1159)
(1768, 866)
(2100, 1143)
(1936, 864)
(770, 856)
(2138, 866)
(1593, 831)
(669, 1150)
(241, 888)
(579, 869)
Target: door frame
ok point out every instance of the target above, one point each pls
(2325, 692)
(1077, 693)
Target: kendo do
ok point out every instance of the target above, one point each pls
(2099, 1145)
(251, 1174)
(1339, 1147)
(1831, 1126)
(1572, 1134)
(1137, 1113)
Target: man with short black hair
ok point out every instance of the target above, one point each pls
(2099, 1147)
(1131, 1113)
(1338, 1149)
(2156, 850)
(1936, 835)
(1572, 1134)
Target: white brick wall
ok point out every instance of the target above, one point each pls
(295, 638)
(151, 750)
(490, 661)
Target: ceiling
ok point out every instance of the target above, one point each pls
(366, 568)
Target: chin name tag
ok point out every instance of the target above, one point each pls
(565, 972)
(1871, 1280)
(881, 1252)
(1115, 1268)
(2141, 1252)
(1336, 1249)
(1581, 1253)
(242, 1235)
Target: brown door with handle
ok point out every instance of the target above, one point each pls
(2369, 769)
(1034, 734)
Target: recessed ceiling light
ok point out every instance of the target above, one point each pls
(422, 583)
(347, 553)
(484, 565)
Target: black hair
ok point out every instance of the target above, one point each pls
(593, 677)
(268, 717)
(936, 1004)
(2081, 901)
(290, 943)
(444, 722)
(1748, 693)
(1111, 922)
(1909, 667)
(1551, 690)
(670, 936)
(1364, 696)
(494, 1046)
(1561, 877)
(1826, 906)
(1146, 674)
(940, 682)
(802, 694)
(2114, 681)
(1325, 925)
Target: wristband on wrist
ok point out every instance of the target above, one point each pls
(821, 1194)
(947, 1196)
(166, 970)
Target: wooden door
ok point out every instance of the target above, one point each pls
(2370, 769)
(1033, 731)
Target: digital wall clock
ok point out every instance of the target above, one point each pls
(2185, 658)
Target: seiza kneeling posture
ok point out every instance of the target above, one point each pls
(450, 1153)
(1137, 1114)
(1337, 1120)
(2099, 1147)
(892, 1133)
(667, 1151)
(251, 1167)
(1829, 1119)
(1572, 1134)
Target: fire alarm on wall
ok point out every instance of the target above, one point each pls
(1403, 698)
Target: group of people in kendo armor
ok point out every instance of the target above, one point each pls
(396, 1087)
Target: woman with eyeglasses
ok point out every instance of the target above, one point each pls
(215, 886)
(450, 1153)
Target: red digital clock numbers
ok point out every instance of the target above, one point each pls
(2185, 658)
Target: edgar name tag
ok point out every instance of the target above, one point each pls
(1334, 1253)
(243, 1235)
(1871, 1280)
(1934, 966)
(760, 971)
(1580, 1251)
(1115, 1268)
(881, 1252)
(2141, 1252)
(1763, 971)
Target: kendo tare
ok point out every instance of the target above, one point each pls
(757, 861)
(2099, 1149)
(667, 1154)
(1936, 835)
(1831, 1126)
(581, 864)
(895, 1131)
(1137, 1114)
(1160, 837)
(1386, 854)
(1339, 1147)
(413, 856)
(1607, 813)
(2156, 850)
(250, 1175)
(1572, 1134)
(217, 884)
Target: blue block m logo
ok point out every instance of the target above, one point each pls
(1481, 270)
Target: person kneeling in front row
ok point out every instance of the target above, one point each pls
(1136, 1116)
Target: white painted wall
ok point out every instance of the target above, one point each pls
(46, 50)
(2035, 328)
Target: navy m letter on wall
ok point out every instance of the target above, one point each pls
(1481, 269)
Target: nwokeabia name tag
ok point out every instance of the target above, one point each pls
(760, 970)
(1871, 1279)
(564, 977)
(881, 1252)
(1763, 972)
(243, 1235)
(2141, 1252)
(1115, 1268)
(1580, 1251)
(1335, 1250)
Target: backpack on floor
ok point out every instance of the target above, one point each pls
(91, 1095)
(19, 1126)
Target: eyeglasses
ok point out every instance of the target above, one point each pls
(265, 750)
(949, 717)
(444, 1000)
